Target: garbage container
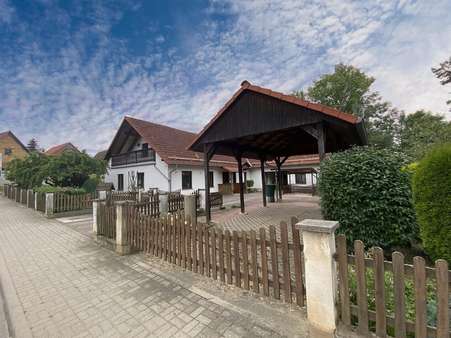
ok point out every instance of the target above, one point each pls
(270, 189)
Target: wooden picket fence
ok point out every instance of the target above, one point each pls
(40, 205)
(379, 319)
(65, 202)
(240, 258)
(150, 208)
(23, 196)
(176, 202)
(123, 196)
(106, 220)
(30, 199)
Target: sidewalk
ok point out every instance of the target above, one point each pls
(67, 286)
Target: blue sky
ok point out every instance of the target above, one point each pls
(70, 70)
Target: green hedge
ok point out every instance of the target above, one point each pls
(65, 190)
(432, 196)
(367, 192)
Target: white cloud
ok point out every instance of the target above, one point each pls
(69, 96)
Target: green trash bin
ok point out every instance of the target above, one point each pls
(270, 189)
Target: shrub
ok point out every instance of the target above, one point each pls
(367, 192)
(65, 190)
(91, 183)
(432, 198)
(249, 183)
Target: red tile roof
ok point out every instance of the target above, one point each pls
(246, 85)
(61, 148)
(171, 144)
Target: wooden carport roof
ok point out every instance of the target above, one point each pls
(258, 122)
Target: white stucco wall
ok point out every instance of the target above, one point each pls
(308, 179)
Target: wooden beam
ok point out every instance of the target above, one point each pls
(262, 170)
(240, 181)
(321, 141)
(311, 130)
(208, 154)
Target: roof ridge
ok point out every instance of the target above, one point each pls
(159, 125)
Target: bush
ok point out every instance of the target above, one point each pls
(249, 183)
(91, 183)
(432, 198)
(64, 190)
(367, 192)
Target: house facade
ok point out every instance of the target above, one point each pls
(145, 155)
(10, 148)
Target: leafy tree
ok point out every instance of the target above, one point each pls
(421, 131)
(348, 89)
(365, 190)
(432, 196)
(29, 172)
(32, 145)
(72, 169)
(443, 73)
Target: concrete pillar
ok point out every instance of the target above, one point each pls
(49, 204)
(95, 208)
(102, 194)
(35, 201)
(140, 195)
(122, 245)
(164, 207)
(320, 275)
(190, 208)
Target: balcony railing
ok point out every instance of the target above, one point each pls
(133, 157)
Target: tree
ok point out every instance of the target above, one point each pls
(348, 90)
(29, 172)
(432, 196)
(443, 73)
(366, 190)
(421, 131)
(72, 169)
(32, 145)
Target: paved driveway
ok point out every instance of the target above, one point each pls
(59, 283)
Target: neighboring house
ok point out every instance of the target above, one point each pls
(147, 155)
(10, 148)
(61, 148)
(100, 155)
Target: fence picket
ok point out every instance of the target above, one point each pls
(200, 230)
(379, 283)
(213, 256)
(244, 250)
(221, 255)
(297, 262)
(207, 250)
(362, 300)
(345, 305)
(228, 257)
(236, 259)
(441, 267)
(264, 262)
(399, 291)
(254, 266)
(285, 262)
(274, 261)
(419, 266)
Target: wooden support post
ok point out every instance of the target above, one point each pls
(262, 166)
(321, 141)
(208, 154)
(240, 180)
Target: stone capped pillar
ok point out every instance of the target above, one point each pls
(190, 207)
(49, 204)
(320, 275)
(163, 204)
(95, 208)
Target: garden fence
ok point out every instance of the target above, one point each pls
(391, 297)
(176, 202)
(68, 202)
(106, 220)
(267, 265)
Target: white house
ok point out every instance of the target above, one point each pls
(147, 155)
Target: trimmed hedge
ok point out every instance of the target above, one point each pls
(65, 190)
(366, 190)
(432, 196)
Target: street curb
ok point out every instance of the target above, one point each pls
(17, 324)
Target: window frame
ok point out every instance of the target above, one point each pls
(120, 182)
(187, 174)
(301, 181)
(211, 179)
(139, 184)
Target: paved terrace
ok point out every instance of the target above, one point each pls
(59, 283)
(301, 206)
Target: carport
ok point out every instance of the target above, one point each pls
(258, 123)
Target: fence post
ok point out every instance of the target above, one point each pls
(95, 208)
(320, 275)
(49, 204)
(17, 197)
(190, 207)
(35, 200)
(29, 197)
(163, 204)
(122, 245)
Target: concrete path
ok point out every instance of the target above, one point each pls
(58, 283)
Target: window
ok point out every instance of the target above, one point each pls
(210, 179)
(187, 180)
(145, 149)
(225, 177)
(120, 182)
(300, 179)
(140, 180)
(8, 151)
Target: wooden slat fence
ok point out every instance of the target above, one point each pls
(23, 196)
(176, 202)
(391, 298)
(106, 220)
(123, 196)
(30, 199)
(67, 202)
(150, 208)
(263, 264)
